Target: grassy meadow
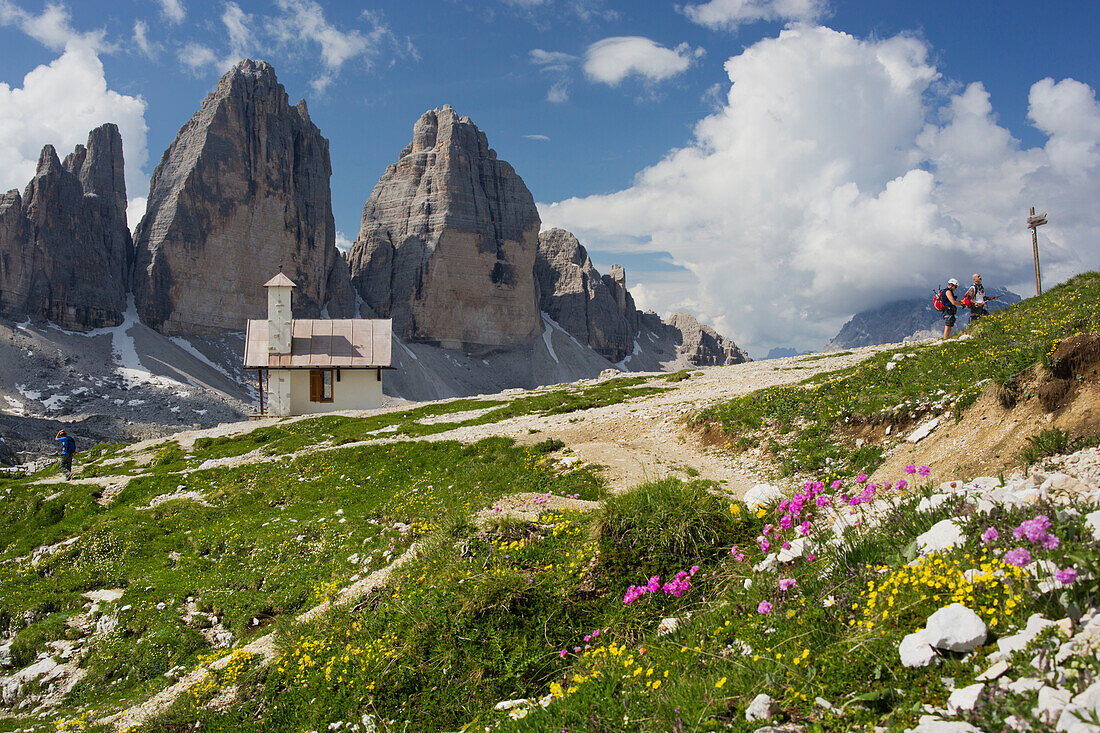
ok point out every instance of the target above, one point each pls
(660, 609)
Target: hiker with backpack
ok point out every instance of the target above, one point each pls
(975, 298)
(68, 448)
(944, 301)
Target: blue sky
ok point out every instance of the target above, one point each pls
(588, 98)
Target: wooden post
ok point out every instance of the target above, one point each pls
(1034, 221)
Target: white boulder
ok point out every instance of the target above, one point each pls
(762, 707)
(964, 698)
(1081, 708)
(916, 649)
(1093, 522)
(762, 495)
(796, 550)
(956, 628)
(1050, 705)
(943, 535)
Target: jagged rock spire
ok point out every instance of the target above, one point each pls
(448, 239)
(243, 188)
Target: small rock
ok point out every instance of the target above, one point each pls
(795, 551)
(916, 649)
(995, 670)
(943, 535)
(964, 698)
(923, 431)
(1082, 706)
(929, 503)
(956, 628)
(1092, 520)
(1051, 704)
(763, 495)
(1016, 642)
(932, 724)
(1024, 684)
(762, 707)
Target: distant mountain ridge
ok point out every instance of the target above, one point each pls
(903, 319)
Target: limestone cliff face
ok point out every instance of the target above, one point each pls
(701, 345)
(597, 310)
(448, 240)
(65, 249)
(241, 191)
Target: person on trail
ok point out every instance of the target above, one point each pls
(68, 448)
(950, 306)
(976, 298)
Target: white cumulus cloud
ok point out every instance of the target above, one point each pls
(613, 59)
(730, 14)
(51, 27)
(173, 10)
(59, 104)
(819, 189)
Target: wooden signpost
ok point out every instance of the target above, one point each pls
(1034, 221)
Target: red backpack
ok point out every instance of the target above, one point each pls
(937, 302)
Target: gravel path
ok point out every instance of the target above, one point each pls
(647, 438)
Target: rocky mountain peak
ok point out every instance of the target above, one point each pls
(597, 310)
(447, 242)
(48, 162)
(242, 190)
(64, 245)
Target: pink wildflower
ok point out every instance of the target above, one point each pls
(787, 583)
(911, 468)
(764, 607)
(786, 545)
(785, 522)
(1018, 557)
(837, 484)
(924, 470)
(902, 483)
(1067, 576)
(861, 478)
(804, 528)
(563, 652)
(764, 545)
(990, 536)
(822, 501)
